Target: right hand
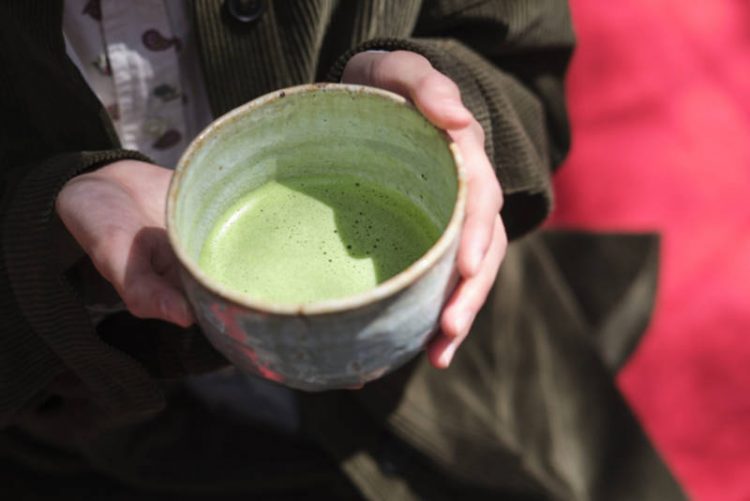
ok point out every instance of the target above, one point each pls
(116, 214)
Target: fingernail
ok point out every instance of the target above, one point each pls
(447, 356)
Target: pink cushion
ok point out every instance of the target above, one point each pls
(659, 94)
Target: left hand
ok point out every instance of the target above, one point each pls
(483, 240)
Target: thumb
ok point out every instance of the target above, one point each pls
(412, 76)
(147, 287)
(152, 296)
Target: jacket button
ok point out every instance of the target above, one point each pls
(245, 11)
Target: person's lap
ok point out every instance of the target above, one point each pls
(529, 404)
(528, 407)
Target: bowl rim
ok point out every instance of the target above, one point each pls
(384, 290)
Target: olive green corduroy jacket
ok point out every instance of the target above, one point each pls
(528, 408)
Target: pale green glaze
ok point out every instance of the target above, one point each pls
(326, 133)
(310, 239)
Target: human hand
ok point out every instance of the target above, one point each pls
(483, 239)
(116, 214)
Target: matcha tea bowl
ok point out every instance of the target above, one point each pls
(317, 229)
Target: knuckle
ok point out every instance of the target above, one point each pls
(435, 82)
(496, 194)
(500, 229)
(447, 326)
(425, 83)
(495, 190)
(408, 57)
(499, 249)
(448, 85)
(478, 131)
(451, 86)
(395, 62)
(379, 68)
(503, 242)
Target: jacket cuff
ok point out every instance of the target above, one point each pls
(43, 311)
(510, 114)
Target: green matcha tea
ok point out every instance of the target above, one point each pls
(310, 239)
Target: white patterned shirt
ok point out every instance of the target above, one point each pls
(140, 58)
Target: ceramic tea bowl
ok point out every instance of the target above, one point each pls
(320, 129)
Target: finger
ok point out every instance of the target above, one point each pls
(152, 296)
(471, 293)
(439, 99)
(466, 302)
(412, 76)
(128, 264)
(483, 204)
(152, 293)
(164, 261)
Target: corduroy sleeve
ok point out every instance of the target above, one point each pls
(53, 128)
(509, 59)
(45, 330)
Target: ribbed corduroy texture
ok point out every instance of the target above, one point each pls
(48, 119)
(511, 116)
(50, 311)
(295, 42)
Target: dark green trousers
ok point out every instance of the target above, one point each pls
(528, 409)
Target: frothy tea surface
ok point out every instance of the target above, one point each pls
(315, 238)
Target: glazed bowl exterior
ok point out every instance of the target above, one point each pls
(312, 130)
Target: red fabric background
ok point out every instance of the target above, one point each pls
(659, 94)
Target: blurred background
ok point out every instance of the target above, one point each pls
(659, 96)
